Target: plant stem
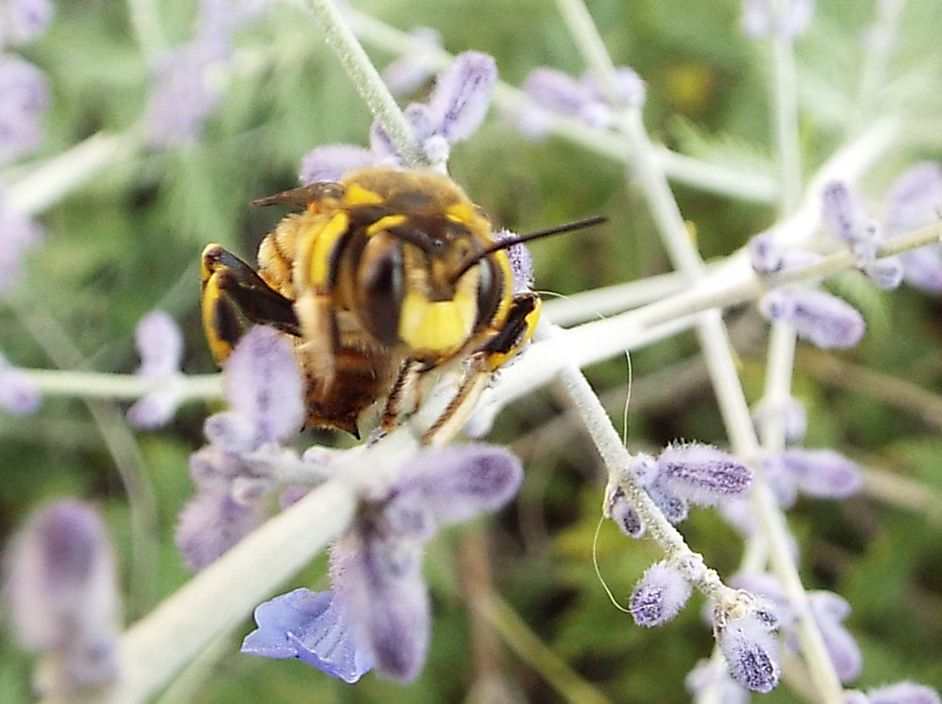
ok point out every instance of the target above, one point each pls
(366, 79)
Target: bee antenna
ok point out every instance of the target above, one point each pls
(529, 237)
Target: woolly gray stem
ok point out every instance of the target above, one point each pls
(366, 78)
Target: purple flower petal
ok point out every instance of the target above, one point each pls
(22, 21)
(62, 591)
(844, 215)
(709, 675)
(379, 581)
(159, 343)
(914, 198)
(459, 482)
(821, 473)
(211, 523)
(332, 162)
(625, 517)
(842, 649)
(182, 96)
(751, 653)
(407, 73)
(521, 262)
(903, 693)
(25, 94)
(18, 394)
(824, 320)
(886, 273)
(922, 268)
(702, 474)
(154, 410)
(462, 95)
(262, 383)
(312, 627)
(764, 254)
(659, 596)
(558, 92)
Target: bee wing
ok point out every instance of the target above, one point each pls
(301, 197)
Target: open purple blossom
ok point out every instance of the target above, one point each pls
(160, 345)
(760, 18)
(455, 109)
(25, 92)
(749, 645)
(22, 21)
(62, 596)
(18, 234)
(18, 394)
(407, 73)
(903, 693)
(824, 320)
(312, 627)
(659, 596)
(381, 611)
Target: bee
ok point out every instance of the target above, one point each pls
(378, 280)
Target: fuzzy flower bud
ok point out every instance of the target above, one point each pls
(332, 161)
(760, 18)
(462, 95)
(18, 393)
(821, 473)
(407, 73)
(843, 213)
(903, 693)
(22, 21)
(764, 255)
(824, 320)
(712, 676)
(751, 652)
(659, 596)
(62, 595)
(702, 474)
(25, 94)
(160, 345)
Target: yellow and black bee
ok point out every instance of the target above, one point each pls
(380, 279)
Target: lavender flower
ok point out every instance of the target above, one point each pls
(407, 73)
(751, 651)
(794, 417)
(820, 473)
(659, 596)
(455, 110)
(820, 318)
(829, 611)
(18, 393)
(25, 94)
(759, 18)
(903, 693)
(913, 202)
(709, 675)
(311, 627)
(764, 254)
(382, 600)
(521, 262)
(702, 474)
(263, 386)
(160, 345)
(22, 21)
(62, 594)
(844, 214)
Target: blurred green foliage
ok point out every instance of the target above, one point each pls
(128, 242)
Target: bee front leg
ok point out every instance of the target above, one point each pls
(403, 394)
(234, 297)
(506, 343)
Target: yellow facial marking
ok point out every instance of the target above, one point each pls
(384, 223)
(462, 213)
(355, 194)
(219, 348)
(437, 326)
(326, 240)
